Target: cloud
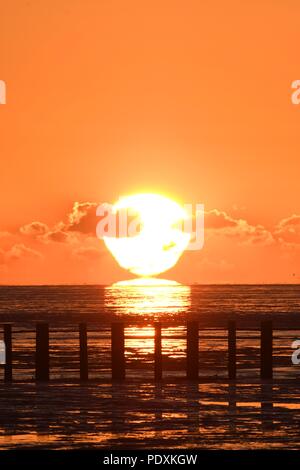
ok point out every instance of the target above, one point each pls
(82, 220)
(72, 245)
(57, 236)
(288, 230)
(41, 232)
(223, 224)
(215, 219)
(80, 223)
(58, 233)
(34, 229)
(88, 252)
(17, 252)
(293, 220)
(83, 217)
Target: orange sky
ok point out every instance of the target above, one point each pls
(191, 99)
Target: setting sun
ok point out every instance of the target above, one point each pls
(160, 240)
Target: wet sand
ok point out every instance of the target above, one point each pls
(136, 414)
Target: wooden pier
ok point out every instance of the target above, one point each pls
(118, 351)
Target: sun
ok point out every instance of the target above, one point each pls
(156, 239)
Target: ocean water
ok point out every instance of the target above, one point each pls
(138, 306)
(140, 413)
(210, 304)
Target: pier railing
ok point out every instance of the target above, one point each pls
(118, 351)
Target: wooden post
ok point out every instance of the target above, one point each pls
(42, 352)
(157, 352)
(266, 350)
(84, 366)
(117, 351)
(192, 350)
(231, 350)
(8, 353)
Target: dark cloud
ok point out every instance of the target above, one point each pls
(34, 229)
(83, 218)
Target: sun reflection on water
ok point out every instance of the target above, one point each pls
(148, 297)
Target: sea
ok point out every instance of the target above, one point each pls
(212, 413)
(138, 306)
(210, 304)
